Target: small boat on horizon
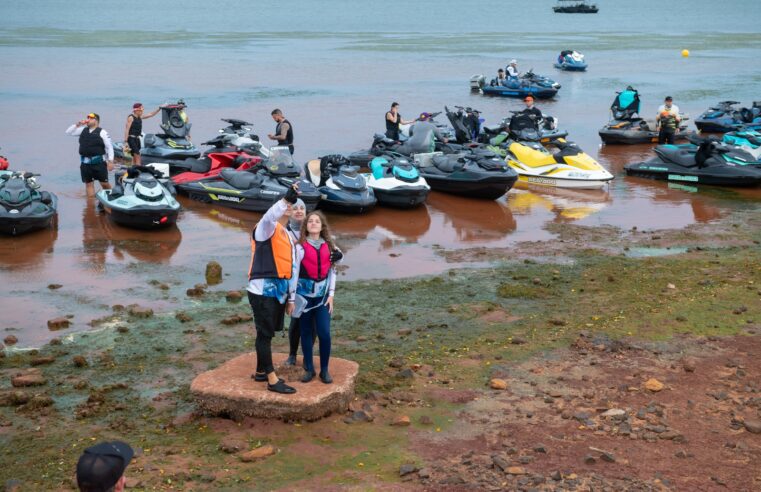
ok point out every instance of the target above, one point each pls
(575, 7)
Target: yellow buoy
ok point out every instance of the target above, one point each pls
(685, 53)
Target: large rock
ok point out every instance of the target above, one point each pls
(229, 390)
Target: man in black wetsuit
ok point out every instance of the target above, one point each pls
(532, 110)
(134, 129)
(283, 131)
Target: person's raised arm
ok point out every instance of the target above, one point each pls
(265, 228)
(152, 113)
(75, 130)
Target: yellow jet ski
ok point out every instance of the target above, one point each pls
(558, 163)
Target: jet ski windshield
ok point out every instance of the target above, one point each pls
(172, 121)
(524, 127)
(626, 105)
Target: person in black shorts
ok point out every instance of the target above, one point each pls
(96, 152)
(134, 129)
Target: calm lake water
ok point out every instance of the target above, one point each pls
(334, 67)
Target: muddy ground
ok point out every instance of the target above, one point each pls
(627, 360)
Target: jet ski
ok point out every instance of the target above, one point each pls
(396, 182)
(747, 140)
(343, 189)
(254, 186)
(208, 166)
(237, 135)
(23, 207)
(143, 198)
(476, 173)
(382, 144)
(556, 163)
(724, 117)
(496, 137)
(708, 164)
(571, 61)
(628, 127)
(170, 146)
(527, 84)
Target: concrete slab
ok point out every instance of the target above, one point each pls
(229, 391)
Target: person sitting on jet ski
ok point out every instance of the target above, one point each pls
(512, 69)
(501, 79)
(423, 135)
(532, 110)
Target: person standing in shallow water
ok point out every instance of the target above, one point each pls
(316, 283)
(273, 266)
(393, 120)
(283, 131)
(96, 152)
(134, 129)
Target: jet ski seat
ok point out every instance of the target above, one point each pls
(677, 155)
(447, 163)
(241, 180)
(201, 165)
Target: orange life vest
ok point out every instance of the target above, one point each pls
(272, 258)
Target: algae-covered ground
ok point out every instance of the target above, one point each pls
(427, 349)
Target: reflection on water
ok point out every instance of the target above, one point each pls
(28, 251)
(566, 205)
(474, 220)
(103, 241)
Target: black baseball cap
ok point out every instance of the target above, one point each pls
(669, 98)
(102, 465)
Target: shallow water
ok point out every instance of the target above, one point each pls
(333, 68)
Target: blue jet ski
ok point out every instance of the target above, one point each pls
(571, 61)
(724, 117)
(342, 187)
(527, 84)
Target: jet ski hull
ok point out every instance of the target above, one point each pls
(15, 226)
(250, 200)
(141, 217)
(562, 182)
(475, 185)
(504, 91)
(345, 201)
(570, 67)
(656, 168)
(407, 197)
(614, 136)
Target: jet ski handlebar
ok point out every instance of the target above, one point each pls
(237, 123)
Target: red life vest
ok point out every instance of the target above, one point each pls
(315, 264)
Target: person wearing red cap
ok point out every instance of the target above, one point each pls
(532, 110)
(101, 467)
(134, 129)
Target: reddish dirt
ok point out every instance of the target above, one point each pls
(689, 436)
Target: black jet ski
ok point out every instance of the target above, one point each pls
(237, 136)
(708, 164)
(172, 144)
(521, 126)
(143, 198)
(476, 173)
(23, 207)
(253, 188)
(628, 127)
(342, 187)
(724, 117)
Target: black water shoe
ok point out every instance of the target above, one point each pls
(281, 387)
(308, 376)
(325, 377)
(291, 360)
(259, 377)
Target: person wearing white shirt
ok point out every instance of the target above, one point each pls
(512, 69)
(96, 152)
